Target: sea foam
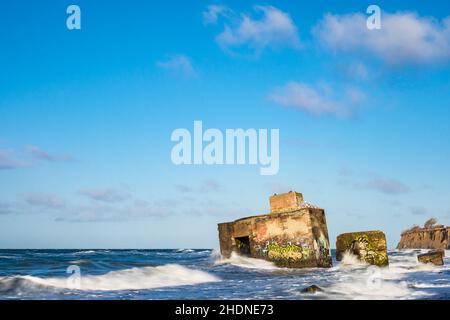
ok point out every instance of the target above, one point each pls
(244, 262)
(129, 279)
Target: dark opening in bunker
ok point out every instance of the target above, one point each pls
(243, 245)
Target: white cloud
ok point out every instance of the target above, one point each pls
(5, 208)
(345, 172)
(273, 29)
(104, 195)
(418, 211)
(206, 186)
(404, 37)
(40, 154)
(178, 63)
(44, 200)
(109, 205)
(211, 15)
(355, 95)
(315, 101)
(105, 212)
(388, 186)
(9, 161)
(354, 71)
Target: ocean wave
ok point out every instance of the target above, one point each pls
(430, 285)
(243, 262)
(184, 250)
(85, 252)
(169, 275)
(203, 252)
(17, 285)
(81, 261)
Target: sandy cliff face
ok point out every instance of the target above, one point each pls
(425, 238)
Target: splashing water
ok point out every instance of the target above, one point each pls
(349, 259)
(128, 279)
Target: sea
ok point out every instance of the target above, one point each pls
(204, 274)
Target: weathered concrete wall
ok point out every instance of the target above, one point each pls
(296, 239)
(320, 232)
(425, 238)
(286, 201)
(368, 246)
(225, 234)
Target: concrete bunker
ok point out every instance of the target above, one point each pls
(294, 234)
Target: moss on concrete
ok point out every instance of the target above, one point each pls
(369, 246)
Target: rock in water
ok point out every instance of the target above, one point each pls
(435, 257)
(368, 246)
(312, 289)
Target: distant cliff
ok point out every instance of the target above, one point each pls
(433, 237)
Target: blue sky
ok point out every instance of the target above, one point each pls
(86, 117)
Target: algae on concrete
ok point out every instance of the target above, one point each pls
(369, 246)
